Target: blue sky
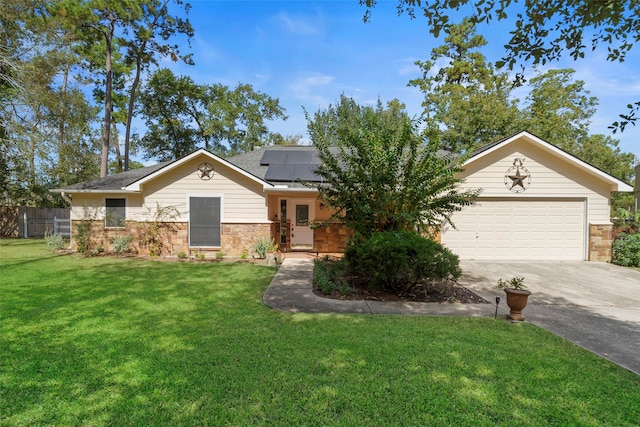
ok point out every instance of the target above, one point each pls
(308, 53)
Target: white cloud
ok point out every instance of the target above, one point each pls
(313, 89)
(408, 67)
(295, 24)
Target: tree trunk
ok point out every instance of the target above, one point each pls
(61, 121)
(116, 145)
(132, 98)
(108, 104)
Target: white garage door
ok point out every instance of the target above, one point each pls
(519, 230)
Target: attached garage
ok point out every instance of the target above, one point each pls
(524, 229)
(537, 203)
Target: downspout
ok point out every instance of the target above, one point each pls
(67, 198)
(637, 188)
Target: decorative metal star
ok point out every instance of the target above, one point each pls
(205, 171)
(518, 180)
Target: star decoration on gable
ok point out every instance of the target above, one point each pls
(205, 171)
(517, 178)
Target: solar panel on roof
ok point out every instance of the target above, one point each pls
(291, 165)
(271, 157)
(315, 159)
(279, 172)
(296, 157)
(306, 172)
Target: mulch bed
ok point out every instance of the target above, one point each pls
(444, 292)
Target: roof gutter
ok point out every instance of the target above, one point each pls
(285, 189)
(113, 191)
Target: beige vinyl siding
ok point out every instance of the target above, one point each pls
(551, 178)
(243, 200)
(92, 205)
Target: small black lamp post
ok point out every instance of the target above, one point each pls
(497, 302)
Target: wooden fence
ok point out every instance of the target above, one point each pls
(34, 222)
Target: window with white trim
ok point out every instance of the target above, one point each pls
(204, 221)
(115, 213)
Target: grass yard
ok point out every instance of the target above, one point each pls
(106, 341)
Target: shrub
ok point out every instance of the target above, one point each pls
(398, 260)
(329, 277)
(121, 243)
(262, 245)
(625, 250)
(182, 255)
(156, 233)
(55, 242)
(83, 237)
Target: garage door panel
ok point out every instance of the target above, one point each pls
(519, 229)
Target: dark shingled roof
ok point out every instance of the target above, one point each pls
(250, 162)
(114, 182)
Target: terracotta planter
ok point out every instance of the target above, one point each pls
(517, 301)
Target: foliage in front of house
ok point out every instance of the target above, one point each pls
(329, 277)
(626, 250)
(155, 232)
(262, 245)
(379, 174)
(55, 242)
(121, 244)
(386, 183)
(397, 261)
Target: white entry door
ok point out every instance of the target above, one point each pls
(301, 231)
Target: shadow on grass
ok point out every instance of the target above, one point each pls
(21, 252)
(107, 332)
(130, 342)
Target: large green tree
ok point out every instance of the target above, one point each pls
(173, 108)
(182, 115)
(559, 110)
(152, 33)
(379, 174)
(46, 119)
(467, 102)
(96, 22)
(132, 32)
(542, 30)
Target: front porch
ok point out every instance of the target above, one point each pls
(301, 222)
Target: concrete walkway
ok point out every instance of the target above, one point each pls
(604, 322)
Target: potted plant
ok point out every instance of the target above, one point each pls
(517, 296)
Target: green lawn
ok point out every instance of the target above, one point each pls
(106, 341)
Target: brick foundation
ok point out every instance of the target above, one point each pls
(600, 238)
(332, 238)
(237, 238)
(172, 237)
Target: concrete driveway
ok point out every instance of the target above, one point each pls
(595, 305)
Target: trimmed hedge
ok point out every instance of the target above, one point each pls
(398, 260)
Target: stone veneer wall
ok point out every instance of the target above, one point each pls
(600, 238)
(173, 237)
(332, 238)
(237, 238)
